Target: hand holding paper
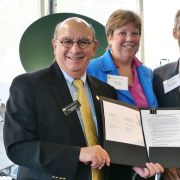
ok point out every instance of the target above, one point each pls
(151, 170)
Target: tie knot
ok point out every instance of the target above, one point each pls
(78, 83)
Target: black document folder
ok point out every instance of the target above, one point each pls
(136, 155)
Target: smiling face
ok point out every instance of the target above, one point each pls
(124, 42)
(74, 60)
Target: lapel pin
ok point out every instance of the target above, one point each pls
(165, 82)
(97, 97)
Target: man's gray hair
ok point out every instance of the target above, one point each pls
(59, 25)
(176, 20)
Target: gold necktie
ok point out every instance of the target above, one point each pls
(89, 126)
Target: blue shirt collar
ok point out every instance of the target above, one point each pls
(69, 79)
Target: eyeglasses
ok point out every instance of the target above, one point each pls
(81, 43)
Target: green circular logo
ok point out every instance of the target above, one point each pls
(36, 50)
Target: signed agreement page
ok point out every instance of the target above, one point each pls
(122, 124)
(161, 129)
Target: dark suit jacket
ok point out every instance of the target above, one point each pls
(39, 137)
(170, 99)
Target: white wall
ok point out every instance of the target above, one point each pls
(99, 10)
(158, 26)
(15, 17)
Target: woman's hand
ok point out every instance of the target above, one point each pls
(151, 170)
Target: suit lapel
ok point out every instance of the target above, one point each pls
(62, 94)
(109, 68)
(146, 85)
(174, 94)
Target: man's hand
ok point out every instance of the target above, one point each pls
(96, 155)
(151, 170)
(171, 173)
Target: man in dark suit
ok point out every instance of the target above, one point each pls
(171, 98)
(49, 144)
(46, 143)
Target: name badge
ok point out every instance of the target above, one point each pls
(118, 82)
(71, 107)
(171, 83)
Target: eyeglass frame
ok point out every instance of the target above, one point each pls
(73, 43)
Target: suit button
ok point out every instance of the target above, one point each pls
(64, 178)
(57, 177)
(60, 178)
(53, 176)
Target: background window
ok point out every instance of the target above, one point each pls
(99, 10)
(15, 17)
(158, 28)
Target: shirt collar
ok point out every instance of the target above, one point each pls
(69, 79)
(135, 63)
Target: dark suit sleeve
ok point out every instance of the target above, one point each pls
(22, 140)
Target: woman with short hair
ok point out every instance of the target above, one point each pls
(123, 30)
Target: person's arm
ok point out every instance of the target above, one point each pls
(23, 139)
(26, 145)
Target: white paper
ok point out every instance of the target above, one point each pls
(122, 124)
(4, 160)
(118, 82)
(161, 129)
(171, 83)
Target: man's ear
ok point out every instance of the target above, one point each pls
(175, 34)
(54, 45)
(94, 48)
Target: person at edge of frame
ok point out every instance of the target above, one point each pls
(171, 98)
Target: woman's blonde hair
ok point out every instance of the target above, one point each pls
(119, 18)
